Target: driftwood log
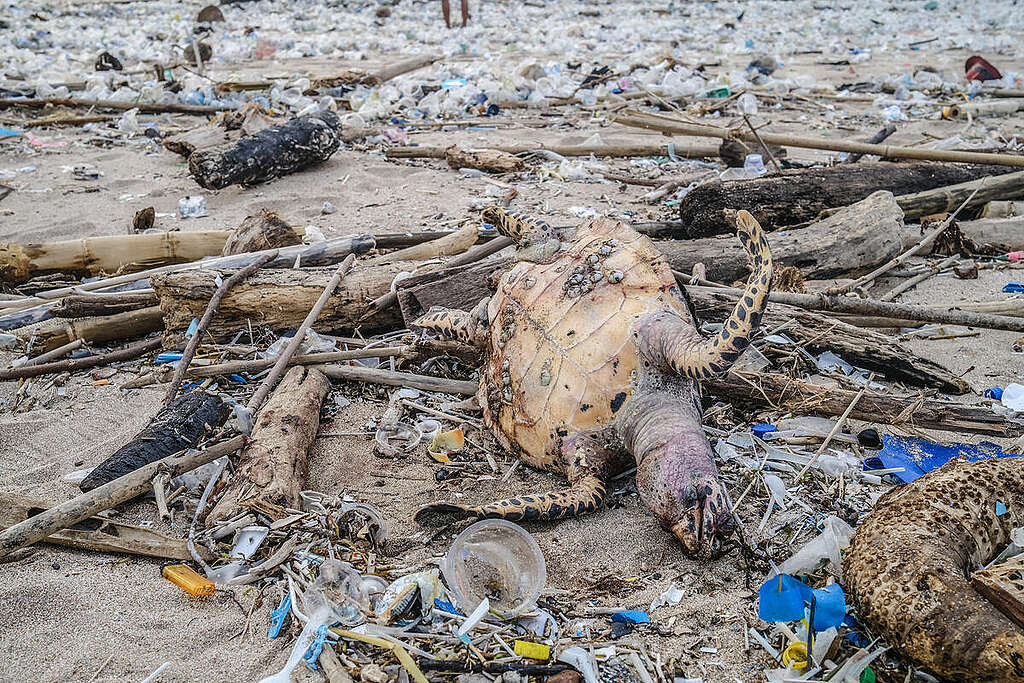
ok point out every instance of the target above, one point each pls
(999, 235)
(487, 160)
(177, 426)
(100, 305)
(260, 231)
(270, 153)
(278, 299)
(96, 255)
(103, 330)
(97, 533)
(112, 494)
(860, 347)
(317, 254)
(798, 196)
(855, 239)
(272, 466)
(779, 392)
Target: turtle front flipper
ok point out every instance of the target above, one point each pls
(452, 323)
(535, 238)
(672, 343)
(585, 495)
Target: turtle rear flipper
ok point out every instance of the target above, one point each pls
(671, 342)
(586, 457)
(585, 495)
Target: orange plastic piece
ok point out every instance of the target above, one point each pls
(188, 580)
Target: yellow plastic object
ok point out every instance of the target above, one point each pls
(445, 443)
(525, 648)
(796, 656)
(188, 580)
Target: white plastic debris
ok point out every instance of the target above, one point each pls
(313, 234)
(672, 596)
(826, 546)
(1013, 397)
(192, 207)
(582, 661)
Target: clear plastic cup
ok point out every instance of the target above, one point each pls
(497, 560)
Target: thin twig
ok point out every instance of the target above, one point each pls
(835, 428)
(917, 279)
(282, 361)
(211, 309)
(778, 166)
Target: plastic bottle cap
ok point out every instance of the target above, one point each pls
(760, 430)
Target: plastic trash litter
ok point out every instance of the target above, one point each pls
(672, 596)
(497, 559)
(977, 68)
(785, 598)
(188, 580)
(401, 595)
(1012, 397)
(632, 616)
(193, 206)
(826, 546)
(918, 456)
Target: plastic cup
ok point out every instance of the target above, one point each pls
(497, 560)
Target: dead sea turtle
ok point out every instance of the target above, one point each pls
(592, 357)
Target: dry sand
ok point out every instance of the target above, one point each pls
(65, 614)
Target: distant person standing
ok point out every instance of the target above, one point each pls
(447, 10)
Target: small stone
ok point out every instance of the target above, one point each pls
(565, 677)
(966, 270)
(383, 12)
(209, 15)
(371, 673)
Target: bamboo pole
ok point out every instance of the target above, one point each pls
(111, 494)
(143, 107)
(669, 125)
(110, 253)
(873, 307)
(260, 364)
(398, 379)
(683, 150)
(73, 364)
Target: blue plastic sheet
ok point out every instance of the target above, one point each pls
(918, 456)
(784, 598)
(632, 616)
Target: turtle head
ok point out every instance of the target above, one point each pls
(678, 482)
(704, 517)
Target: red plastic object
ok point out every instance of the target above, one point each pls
(978, 69)
(1015, 255)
